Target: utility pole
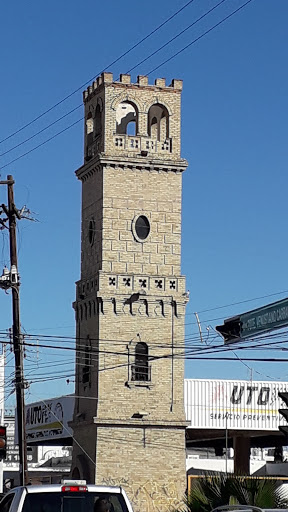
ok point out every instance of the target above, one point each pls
(12, 214)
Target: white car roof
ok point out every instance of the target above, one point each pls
(58, 488)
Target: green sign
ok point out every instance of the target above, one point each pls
(273, 316)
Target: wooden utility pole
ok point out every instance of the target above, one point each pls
(17, 340)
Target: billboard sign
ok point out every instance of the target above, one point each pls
(12, 457)
(47, 420)
(234, 404)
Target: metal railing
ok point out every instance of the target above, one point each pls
(141, 143)
(140, 373)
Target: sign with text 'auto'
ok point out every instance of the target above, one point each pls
(48, 421)
(233, 404)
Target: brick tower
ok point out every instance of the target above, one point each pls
(130, 303)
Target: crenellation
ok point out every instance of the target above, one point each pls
(125, 79)
(107, 77)
(177, 84)
(160, 82)
(142, 80)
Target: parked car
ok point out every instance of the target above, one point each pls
(70, 496)
(246, 508)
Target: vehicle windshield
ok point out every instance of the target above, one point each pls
(74, 502)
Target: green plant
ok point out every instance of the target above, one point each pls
(213, 491)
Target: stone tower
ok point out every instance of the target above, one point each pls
(129, 413)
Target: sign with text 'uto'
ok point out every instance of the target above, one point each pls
(233, 404)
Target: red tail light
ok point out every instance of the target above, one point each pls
(74, 488)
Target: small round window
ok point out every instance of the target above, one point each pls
(142, 227)
(91, 231)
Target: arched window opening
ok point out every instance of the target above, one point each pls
(76, 474)
(164, 124)
(86, 369)
(131, 128)
(98, 120)
(89, 124)
(158, 122)
(89, 129)
(126, 115)
(140, 370)
(154, 128)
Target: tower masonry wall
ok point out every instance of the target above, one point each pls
(161, 397)
(160, 489)
(131, 297)
(155, 194)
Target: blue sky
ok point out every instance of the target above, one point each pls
(234, 135)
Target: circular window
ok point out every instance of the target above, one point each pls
(91, 231)
(142, 227)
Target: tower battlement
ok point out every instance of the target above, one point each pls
(142, 81)
(139, 119)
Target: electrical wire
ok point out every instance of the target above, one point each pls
(41, 144)
(133, 47)
(177, 35)
(241, 302)
(138, 64)
(199, 37)
(150, 72)
(40, 131)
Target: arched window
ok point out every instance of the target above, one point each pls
(98, 120)
(86, 369)
(158, 122)
(153, 132)
(76, 474)
(89, 123)
(140, 370)
(126, 118)
(89, 129)
(131, 128)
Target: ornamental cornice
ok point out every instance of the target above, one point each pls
(124, 162)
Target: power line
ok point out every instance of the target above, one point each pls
(157, 67)
(177, 35)
(41, 144)
(103, 341)
(95, 75)
(186, 314)
(241, 302)
(199, 37)
(134, 67)
(40, 131)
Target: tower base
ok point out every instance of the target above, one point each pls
(147, 461)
